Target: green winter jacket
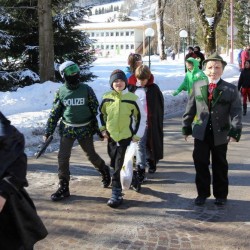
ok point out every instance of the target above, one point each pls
(191, 76)
(122, 115)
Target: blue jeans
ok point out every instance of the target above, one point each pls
(141, 154)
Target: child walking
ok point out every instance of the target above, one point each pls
(151, 145)
(121, 120)
(244, 85)
(75, 105)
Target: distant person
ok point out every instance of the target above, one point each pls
(20, 226)
(134, 60)
(75, 105)
(190, 54)
(244, 85)
(172, 54)
(213, 117)
(239, 59)
(121, 120)
(200, 56)
(245, 55)
(193, 74)
(143, 78)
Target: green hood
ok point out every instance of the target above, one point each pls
(194, 62)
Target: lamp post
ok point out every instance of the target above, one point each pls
(149, 32)
(183, 34)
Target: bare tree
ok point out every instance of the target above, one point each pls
(209, 24)
(159, 13)
(46, 41)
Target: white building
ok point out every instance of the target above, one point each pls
(118, 38)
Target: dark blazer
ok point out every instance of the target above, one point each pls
(226, 113)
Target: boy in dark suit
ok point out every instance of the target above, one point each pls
(216, 107)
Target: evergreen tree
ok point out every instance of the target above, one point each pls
(19, 38)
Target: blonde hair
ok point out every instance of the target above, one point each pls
(143, 72)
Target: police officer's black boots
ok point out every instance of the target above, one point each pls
(106, 179)
(62, 191)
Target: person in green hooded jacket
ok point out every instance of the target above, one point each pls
(193, 74)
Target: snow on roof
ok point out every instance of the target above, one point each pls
(112, 25)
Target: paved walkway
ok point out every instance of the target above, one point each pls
(161, 216)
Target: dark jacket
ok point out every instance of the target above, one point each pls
(200, 57)
(20, 226)
(244, 80)
(155, 106)
(225, 112)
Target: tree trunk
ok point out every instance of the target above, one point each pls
(159, 12)
(46, 41)
(210, 24)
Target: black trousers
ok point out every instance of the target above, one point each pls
(201, 157)
(116, 152)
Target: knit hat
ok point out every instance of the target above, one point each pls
(215, 57)
(117, 74)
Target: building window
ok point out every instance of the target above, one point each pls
(97, 34)
(107, 33)
(107, 46)
(121, 34)
(117, 33)
(132, 33)
(111, 33)
(102, 33)
(122, 46)
(127, 46)
(132, 46)
(112, 47)
(127, 33)
(117, 46)
(102, 46)
(92, 34)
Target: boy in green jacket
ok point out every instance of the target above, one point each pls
(121, 120)
(193, 74)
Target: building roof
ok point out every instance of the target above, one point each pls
(116, 25)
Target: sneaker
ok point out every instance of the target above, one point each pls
(136, 185)
(151, 166)
(62, 192)
(220, 201)
(141, 174)
(199, 201)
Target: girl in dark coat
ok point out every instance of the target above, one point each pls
(244, 85)
(20, 226)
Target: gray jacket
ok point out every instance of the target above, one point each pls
(226, 112)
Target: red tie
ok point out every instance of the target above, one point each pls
(211, 88)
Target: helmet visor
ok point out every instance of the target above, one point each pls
(71, 70)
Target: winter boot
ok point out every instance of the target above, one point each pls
(116, 198)
(62, 192)
(106, 179)
(151, 166)
(244, 109)
(141, 174)
(136, 184)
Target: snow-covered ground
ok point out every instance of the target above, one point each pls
(28, 107)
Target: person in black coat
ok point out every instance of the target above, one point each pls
(19, 221)
(244, 85)
(200, 56)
